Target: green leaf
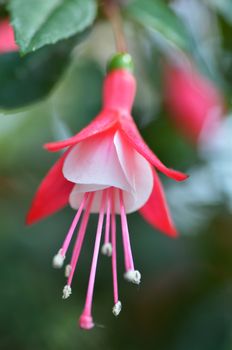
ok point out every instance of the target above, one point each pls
(25, 80)
(156, 15)
(38, 23)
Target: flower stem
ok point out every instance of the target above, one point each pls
(112, 11)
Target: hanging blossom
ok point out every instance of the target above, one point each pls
(108, 169)
(195, 104)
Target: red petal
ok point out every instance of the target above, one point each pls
(156, 211)
(133, 136)
(52, 194)
(104, 121)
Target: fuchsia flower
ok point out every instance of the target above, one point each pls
(7, 40)
(194, 103)
(108, 169)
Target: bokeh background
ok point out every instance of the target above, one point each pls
(185, 298)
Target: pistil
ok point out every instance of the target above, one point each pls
(117, 304)
(86, 320)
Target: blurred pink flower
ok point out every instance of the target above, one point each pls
(106, 169)
(7, 40)
(194, 103)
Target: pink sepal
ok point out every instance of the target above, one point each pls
(156, 211)
(52, 194)
(103, 122)
(119, 91)
(132, 134)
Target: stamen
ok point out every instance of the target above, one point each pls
(131, 274)
(67, 291)
(107, 246)
(86, 320)
(68, 269)
(117, 308)
(74, 224)
(107, 249)
(129, 264)
(59, 258)
(79, 240)
(117, 304)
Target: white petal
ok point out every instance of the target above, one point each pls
(125, 155)
(139, 170)
(95, 162)
(124, 168)
(77, 196)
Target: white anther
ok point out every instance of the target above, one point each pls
(58, 260)
(133, 276)
(117, 308)
(107, 249)
(67, 291)
(68, 269)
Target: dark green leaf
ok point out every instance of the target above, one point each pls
(38, 23)
(159, 17)
(29, 79)
(3, 11)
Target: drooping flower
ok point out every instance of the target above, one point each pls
(194, 103)
(7, 40)
(108, 169)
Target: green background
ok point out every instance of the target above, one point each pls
(185, 298)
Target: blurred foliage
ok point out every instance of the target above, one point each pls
(184, 301)
(224, 7)
(159, 17)
(32, 77)
(47, 22)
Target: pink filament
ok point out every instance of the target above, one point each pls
(73, 226)
(114, 252)
(107, 230)
(80, 238)
(86, 318)
(129, 264)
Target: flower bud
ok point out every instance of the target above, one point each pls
(194, 103)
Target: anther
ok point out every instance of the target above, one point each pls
(67, 291)
(133, 276)
(68, 269)
(58, 260)
(117, 308)
(107, 249)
